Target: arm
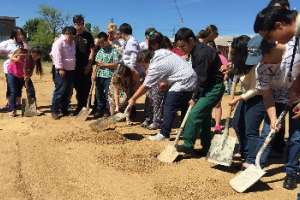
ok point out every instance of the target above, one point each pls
(141, 91)
(270, 107)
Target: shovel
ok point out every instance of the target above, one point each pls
(29, 108)
(222, 145)
(110, 122)
(85, 112)
(253, 173)
(169, 154)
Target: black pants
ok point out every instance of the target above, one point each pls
(82, 85)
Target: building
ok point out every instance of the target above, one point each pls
(223, 43)
(6, 26)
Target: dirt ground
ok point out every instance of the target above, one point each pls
(43, 159)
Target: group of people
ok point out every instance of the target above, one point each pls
(190, 71)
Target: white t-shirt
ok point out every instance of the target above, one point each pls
(8, 46)
(167, 66)
(275, 76)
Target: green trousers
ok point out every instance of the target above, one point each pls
(199, 120)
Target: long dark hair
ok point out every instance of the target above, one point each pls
(14, 32)
(37, 63)
(239, 54)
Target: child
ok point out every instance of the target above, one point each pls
(33, 61)
(164, 65)
(15, 78)
(250, 110)
(123, 84)
(107, 60)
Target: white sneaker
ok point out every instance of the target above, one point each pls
(157, 137)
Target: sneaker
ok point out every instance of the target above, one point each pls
(153, 126)
(145, 124)
(98, 115)
(55, 116)
(183, 149)
(218, 129)
(157, 137)
(66, 113)
(245, 165)
(12, 114)
(290, 182)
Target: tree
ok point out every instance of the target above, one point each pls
(54, 19)
(95, 31)
(43, 38)
(88, 26)
(31, 27)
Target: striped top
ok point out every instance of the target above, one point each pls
(167, 66)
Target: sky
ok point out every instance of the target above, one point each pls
(232, 17)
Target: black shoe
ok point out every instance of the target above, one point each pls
(184, 149)
(98, 115)
(290, 182)
(66, 113)
(56, 116)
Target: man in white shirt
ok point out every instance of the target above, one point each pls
(131, 48)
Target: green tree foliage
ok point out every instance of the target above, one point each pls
(88, 26)
(95, 31)
(54, 19)
(31, 27)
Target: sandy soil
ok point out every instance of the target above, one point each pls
(43, 159)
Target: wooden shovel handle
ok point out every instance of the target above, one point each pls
(183, 124)
(90, 95)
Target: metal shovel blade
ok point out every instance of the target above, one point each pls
(103, 124)
(119, 117)
(246, 178)
(221, 150)
(29, 109)
(169, 154)
(84, 114)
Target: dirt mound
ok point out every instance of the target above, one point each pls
(106, 137)
(193, 189)
(130, 160)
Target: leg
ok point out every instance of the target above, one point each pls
(31, 89)
(174, 102)
(58, 93)
(238, 124)
(198, 118)
(12, 85)
(255, 113)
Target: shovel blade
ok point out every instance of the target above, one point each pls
(84, 114)
(221, 150)
(29, 109)
(246, 178)
(119, 117)
(169, 154)
(103, 124)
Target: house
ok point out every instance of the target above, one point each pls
(223, 43)
(6, 26)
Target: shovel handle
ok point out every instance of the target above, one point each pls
(270, 136)
(90, 95)
(183, 124)
(232, 92)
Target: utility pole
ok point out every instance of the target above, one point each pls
(181, 21)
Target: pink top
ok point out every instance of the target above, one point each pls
(224, 60)
(63, 54)
(16, 69)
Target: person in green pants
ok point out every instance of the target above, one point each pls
(209, 90)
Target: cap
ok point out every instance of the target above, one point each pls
(254, 52)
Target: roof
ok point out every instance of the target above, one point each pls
(8, 18)
(224, 40)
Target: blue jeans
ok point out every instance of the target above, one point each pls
(61, 94)
(293, 153)
(174, 102)
(102, 88)
(247, 119)
(15, 86)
